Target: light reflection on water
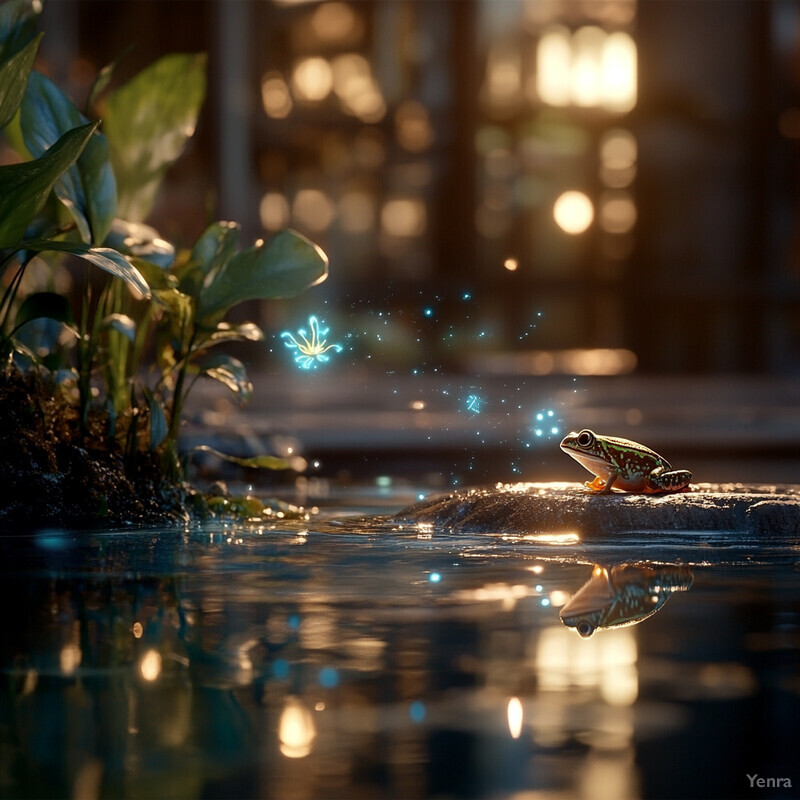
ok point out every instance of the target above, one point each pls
(323, 660)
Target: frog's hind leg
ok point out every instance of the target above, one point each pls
(674, 480)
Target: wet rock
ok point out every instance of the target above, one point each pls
(559, 507)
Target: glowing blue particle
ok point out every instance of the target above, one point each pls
(435, 577)
(293, 621)
(539, 417)
(328, 677)
(539, 587)
(466, 296)
(421, 496)
(428, 312)
(545, 601)
(280, 668)
(550, 413)
(473, 403)
(538, 431)
(554, 430)
(417, 711)
(311, 348)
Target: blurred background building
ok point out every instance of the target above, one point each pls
(541, 186)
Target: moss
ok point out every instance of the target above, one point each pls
(56, 473)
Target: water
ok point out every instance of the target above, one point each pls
(319, 659)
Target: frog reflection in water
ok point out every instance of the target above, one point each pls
(623, 595)
(622, 464)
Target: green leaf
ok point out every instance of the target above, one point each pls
(283, 267)
(230, 372)
(121, 323)
(45, 304)
(158, 422)
(157, 278)
(212, 251)
(24, 188)
(256, 462)
(141, 241)
(17, 25)
(227, 332)
(148, 121)
(103, 257)
(88, 188)
(14, 74)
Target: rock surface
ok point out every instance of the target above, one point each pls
(560, 507)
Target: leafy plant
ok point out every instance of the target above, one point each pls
(86, 182)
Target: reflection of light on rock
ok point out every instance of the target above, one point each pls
(150, 666)
(604, 663)
(137, 630)
(69, 658)
(515, 715)
(573, 212)
(296, 729)
(312, 79)
(417, 405)
(558, 598)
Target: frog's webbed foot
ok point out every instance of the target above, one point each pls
(674, 480)
(599, 486)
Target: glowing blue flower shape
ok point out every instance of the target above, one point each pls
(311, 348)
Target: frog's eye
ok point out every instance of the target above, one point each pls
(585, 628)
(585, 438)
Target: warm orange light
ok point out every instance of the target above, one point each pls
(515, 714)
(275, 96)
(511, 264)
(573, 212)
(312, 79)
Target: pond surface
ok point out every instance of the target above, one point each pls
(344, 660)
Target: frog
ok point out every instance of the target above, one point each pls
(622, 464)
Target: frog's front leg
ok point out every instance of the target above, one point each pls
(600, 486)
(674, 480)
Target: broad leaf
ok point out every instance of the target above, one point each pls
(14, 78)
(121, 323)
(255, 462)
(88, 189)
(148, 121)
(283, 267)
(228, 332)
(103, 257)
(210, 254)
(229, 371)
(17, 25)
(140, 241)
(24, 188)
(45, 304)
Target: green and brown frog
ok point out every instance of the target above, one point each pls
(622, 464)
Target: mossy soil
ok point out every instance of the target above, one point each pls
(55, 472)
